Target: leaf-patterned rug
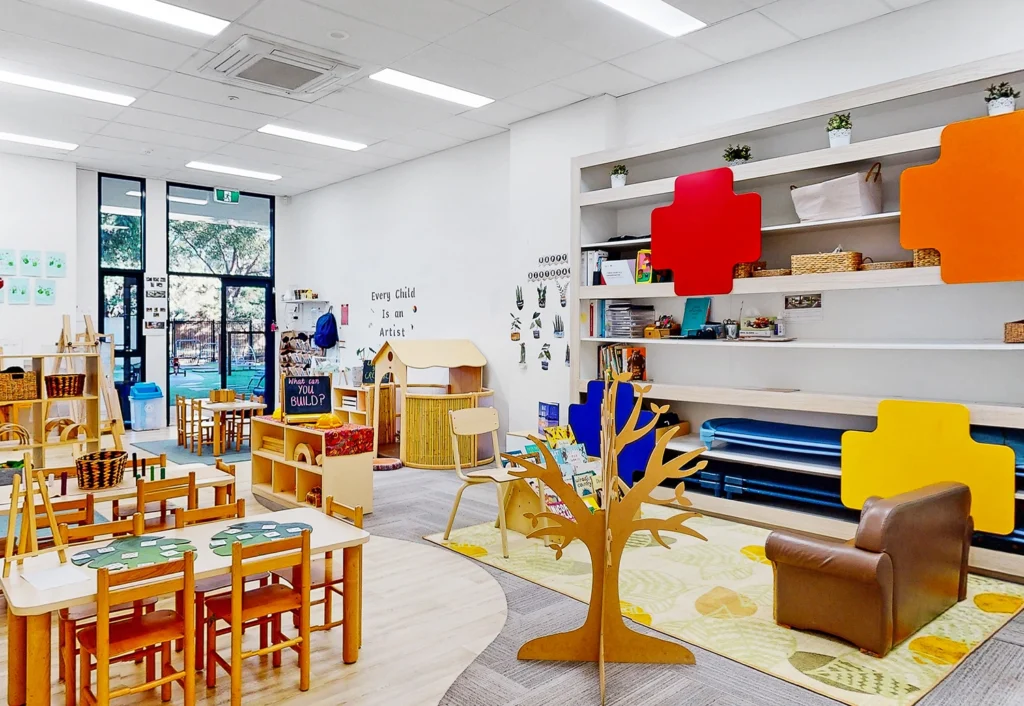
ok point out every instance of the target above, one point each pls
(718, 595)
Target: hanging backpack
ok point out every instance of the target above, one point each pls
(326, 335)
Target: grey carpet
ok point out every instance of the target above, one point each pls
(180, 455)
(409, 504)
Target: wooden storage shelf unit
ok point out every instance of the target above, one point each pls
(281, 480)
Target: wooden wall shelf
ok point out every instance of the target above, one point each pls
(823, 344)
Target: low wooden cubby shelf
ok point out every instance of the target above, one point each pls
(282, 481)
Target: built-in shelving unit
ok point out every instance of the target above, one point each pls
(850, 344)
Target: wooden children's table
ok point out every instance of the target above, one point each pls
(220, 410)
(29, 607)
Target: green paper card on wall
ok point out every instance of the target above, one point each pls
(17, 291)
(45, 292)
(56, 264)
(30, 263)
(8, 262)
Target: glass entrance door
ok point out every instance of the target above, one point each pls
(122, 318)
(247, 364)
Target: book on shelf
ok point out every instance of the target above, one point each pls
(619, 358)
(590, 266)
(621, 272)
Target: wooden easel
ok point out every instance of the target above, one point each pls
(23, 504)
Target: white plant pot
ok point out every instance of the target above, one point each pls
(618, 180)
(839, 138)
(1002, 106)
(737, 162)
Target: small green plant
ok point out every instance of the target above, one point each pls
(739, 153)
(559, 326)
(839, 121)
(1003, 90)
(542, 295)
(519, 298)
(522, 354)
(536, 320)
(545, 352)
(365, 353)
(516, 322)
(620, 170)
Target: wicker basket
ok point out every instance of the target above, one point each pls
(18, 386)
(1013, 332)
(927, 257)
(65, 385)
(892, 265)
(824, 262)
(773, 273)
(100, 469)
(747, 269)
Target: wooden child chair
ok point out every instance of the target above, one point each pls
(240, 424)
(75, 512)
(473, 422)
(156, 496)
(228, 468)
(148, 634)
(242, 609)
(180, 416)
(70, 619)
(200, 427)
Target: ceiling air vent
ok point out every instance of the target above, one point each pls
(264, 66)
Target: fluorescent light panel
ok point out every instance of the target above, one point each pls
(38, 141)
(175, 199)
(312, 137)
(234, 171)
(169, 14)
(657, 14)
(67, 89)
(430, 88)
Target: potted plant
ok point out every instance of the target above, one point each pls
(740, 154)
(562, 292)
(567, 355)
(536, 324)
(542, 295)
(519, 298)
(619, 174)
(522, 355)
(1001, 99)
(544, 356)
(559, 327)
(516, 325)
(840, 130)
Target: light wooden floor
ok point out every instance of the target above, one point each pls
(428, 613)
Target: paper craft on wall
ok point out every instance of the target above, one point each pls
(519, 298)
(45, 292)
(30, 263)
(522, 355)
(8, 262)
(18, 290)
(536, 324)
(542, 295)
(56, 264)
(517, 324)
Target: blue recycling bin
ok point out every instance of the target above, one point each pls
(147, 401)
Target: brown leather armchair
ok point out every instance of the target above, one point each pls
(906, 566)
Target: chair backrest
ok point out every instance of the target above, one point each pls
(352, 515)
(78, 511)
(151, 491)
(288, 553)
(184, 518)
(473, 422)
(132, 585)
(228, 468)
(136, 525)
(179, 408)
(195, 410)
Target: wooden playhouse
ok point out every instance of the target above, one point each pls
(422, 409)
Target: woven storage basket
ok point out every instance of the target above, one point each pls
(1013, 332)
(18, 386)
(773, 273)
(892, 265)
(65, 385)
(823, 262)
(927, 257)
(747, 269)
(100, 469)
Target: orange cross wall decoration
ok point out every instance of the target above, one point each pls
(969, 205)
(705, 233)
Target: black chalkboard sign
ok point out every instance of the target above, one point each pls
(309, 394)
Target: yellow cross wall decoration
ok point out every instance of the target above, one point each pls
(919, 443)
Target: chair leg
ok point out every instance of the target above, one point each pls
(150, 667)
(455, 508)
(328, 604)
(179, 608)
(264, 635)
(275, 658)
(200, 629)
(304, 632)
(211, 648)
(165, 670)
(67, 658)
(236, 664)
(86, 672)
(501, 519)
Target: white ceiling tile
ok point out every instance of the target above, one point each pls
(457, 126)
(311, 25)
(666, 61)
(370, 161)
(124, 20)
(60, 28)
(901, 4)
(427, 19)
(30, 100)
(396, 150)
(433, 141)
(337, 123)
(161, 137)
(29, 120)
(127, 160)
(712, 11)
(224, 9)
(500, 113)
(604, 78)
(173, 105)
(454, 68)
(218, 93)
(516, 49)
(739, 37)
(249, 151)
(178, 124)
(545, 98)
(486, 6)
(146, 148)
(583, 25)
(373, 99)
(118, 163)
(807, 18)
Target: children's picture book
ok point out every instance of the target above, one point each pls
(695, 314)
(636, 362)
(583, 484)
(555, 435)
(644, 270)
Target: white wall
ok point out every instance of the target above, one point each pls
(38, 201)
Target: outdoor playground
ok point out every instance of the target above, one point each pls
(195, 348)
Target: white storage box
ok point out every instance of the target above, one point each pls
(846, 197)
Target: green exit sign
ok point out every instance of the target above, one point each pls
(225, 196)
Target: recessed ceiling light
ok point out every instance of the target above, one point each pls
(235, 171)
(38, 141)
(65, 88)
(312, 137)
(659, 15)
(430, 88)
(169, 14)
(175, 199)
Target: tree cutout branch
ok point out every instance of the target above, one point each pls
(657, 471)
(567, 531)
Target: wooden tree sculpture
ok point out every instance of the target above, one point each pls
(604, 636)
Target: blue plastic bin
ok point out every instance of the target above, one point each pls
(147, 400)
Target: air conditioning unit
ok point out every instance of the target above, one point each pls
(274, 68)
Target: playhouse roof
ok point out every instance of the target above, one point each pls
(450, 353)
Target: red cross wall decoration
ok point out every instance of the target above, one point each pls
(705, 233)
